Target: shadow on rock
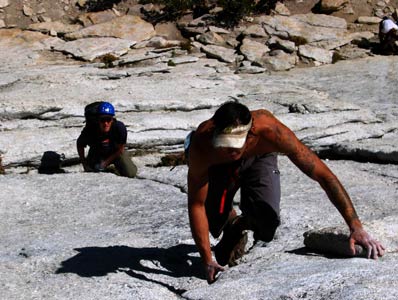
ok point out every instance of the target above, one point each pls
(99, 261)
(305, 251)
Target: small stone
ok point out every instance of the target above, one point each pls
(27, 10)
(4, 3)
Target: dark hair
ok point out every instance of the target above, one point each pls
(231, 114)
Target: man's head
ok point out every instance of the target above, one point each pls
(106, 112)
(232, 122)
(394, 15)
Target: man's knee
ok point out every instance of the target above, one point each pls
(129, 170)
(265, 232)
(263, 221)
(125, 166)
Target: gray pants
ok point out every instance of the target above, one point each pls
(258, 179)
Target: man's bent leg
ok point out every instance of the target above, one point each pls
(125, 166)
(260, 196)
(223, 185)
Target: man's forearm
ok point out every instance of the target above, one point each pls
(200, 231)
(114, 156)
(341, 200)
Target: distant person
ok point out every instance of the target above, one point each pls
(388, 35)
(106, 138)
(235, 149)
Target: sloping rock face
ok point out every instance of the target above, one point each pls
(100, 236)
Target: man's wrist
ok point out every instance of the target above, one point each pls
(355, 224)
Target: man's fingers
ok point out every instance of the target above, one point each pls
(381, 249)
(212, 271)
(352, 246)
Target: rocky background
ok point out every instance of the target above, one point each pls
(71, 235)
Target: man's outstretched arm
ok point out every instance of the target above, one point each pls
(310, 164)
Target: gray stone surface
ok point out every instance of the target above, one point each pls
(100, 236)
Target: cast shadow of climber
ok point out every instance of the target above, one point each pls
(140, 263)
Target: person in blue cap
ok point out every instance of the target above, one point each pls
(106, 138)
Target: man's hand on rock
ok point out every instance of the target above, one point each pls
(212, 269)
(373, 247)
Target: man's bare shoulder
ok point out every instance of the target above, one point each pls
(262, 113)
(264, 122)
(201, 143)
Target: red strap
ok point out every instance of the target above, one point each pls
(224, 195)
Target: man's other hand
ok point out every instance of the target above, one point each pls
(373, 247)
(212, 269)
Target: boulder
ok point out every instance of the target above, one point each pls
(91, 48)
(320, 55)
(221, 53)
(210, 38)
(58, 26)
(127, 27)
(368, 20)
(308, 28)
(4, 3)
(279, 61)
(93, 18)
(328, 6)
(252, 50)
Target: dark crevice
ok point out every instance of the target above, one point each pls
(356, 155)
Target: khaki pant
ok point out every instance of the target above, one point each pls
(124, 165)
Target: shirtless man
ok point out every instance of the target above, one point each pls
(235, 149)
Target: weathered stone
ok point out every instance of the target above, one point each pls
(4, 3)
(174, 61)
(255, 31)
(332, 240)
(160, 42)
(252, 50)
(279, 61)
(27, 10)
(56, 25)
(91, 48)
(81, 3)
(93, 18)
(220, 53)
(350, 52)
(44, 19)
(201, 21)
(332, 5)
(2, 23)
(250, 69)
(308, 28)
(368, 20)
(339, 109)
(218, 30)
(210, 38)
(281, 9)
(138, 55)
(27, 39)
(277, 43)
(127, 27)
(321, 55)
(169, 31)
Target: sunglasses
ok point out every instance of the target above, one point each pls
(106, 120)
